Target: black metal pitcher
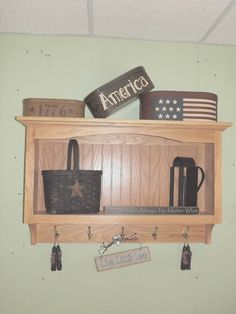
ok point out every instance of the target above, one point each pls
(188, 185)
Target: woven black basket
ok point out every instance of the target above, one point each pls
(112, 96)
(72, 191)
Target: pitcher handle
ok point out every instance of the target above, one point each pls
(202, 179)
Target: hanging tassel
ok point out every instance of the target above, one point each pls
(58, 257)
(186, 257)
(54, 258)
(56, 254)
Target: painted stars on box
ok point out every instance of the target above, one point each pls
(168, 109)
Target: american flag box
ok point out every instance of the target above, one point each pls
(178, 105)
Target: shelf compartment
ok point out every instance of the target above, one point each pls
(133, 174)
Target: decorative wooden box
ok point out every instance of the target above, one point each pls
(178, 105)
(51, 107)
(115, 94)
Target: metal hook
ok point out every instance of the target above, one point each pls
(89, 233)
(133, 237)
(154, 233)
(125, 238)
(185, 233)
(122, 232)
(56, 235)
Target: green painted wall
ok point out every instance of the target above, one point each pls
(70, 67)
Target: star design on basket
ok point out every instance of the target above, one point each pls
(76, 189)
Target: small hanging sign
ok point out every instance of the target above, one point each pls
(122, 259)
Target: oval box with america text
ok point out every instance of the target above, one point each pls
(112, 96)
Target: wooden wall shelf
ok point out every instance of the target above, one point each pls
(135, 157)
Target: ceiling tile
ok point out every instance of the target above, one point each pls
(44, 16)
(225, 33)
(169, 20)
(197, 21)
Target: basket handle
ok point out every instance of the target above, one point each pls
(73, 146)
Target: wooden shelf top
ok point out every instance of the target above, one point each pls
(29, 120)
